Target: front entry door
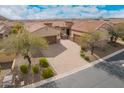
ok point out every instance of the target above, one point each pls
(68, 32)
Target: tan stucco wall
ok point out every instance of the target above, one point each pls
(74, 32)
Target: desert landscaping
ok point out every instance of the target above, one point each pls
(32, 51)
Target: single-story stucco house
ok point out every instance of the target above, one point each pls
(54, 30)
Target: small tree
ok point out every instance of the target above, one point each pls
(116, 31)
(98, 37)
(24, 43)
(91, 38)
(85, 38)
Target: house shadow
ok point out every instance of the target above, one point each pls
(37, 54)
(53, 50)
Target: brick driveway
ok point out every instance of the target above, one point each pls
(64, 56)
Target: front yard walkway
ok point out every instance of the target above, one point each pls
(64, 56)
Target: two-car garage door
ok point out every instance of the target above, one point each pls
(51, 39)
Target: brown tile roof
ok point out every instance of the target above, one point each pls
(47, 31)
(34, 25)
(79, 25)
(84, 26)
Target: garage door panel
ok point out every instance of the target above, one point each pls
(51, 39)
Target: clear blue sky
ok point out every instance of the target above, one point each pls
(60, 11)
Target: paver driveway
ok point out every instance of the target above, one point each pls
(64, 56)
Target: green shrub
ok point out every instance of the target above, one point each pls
(81, 51)
(82, 54)
(83, 48)
(14, 31)
(87, 58)
(43, 62)
(47, 73)
(35, 69)
(122, 38)
(24, 69)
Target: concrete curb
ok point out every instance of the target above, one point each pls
(72, 71)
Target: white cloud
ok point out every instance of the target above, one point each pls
(24, 12)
